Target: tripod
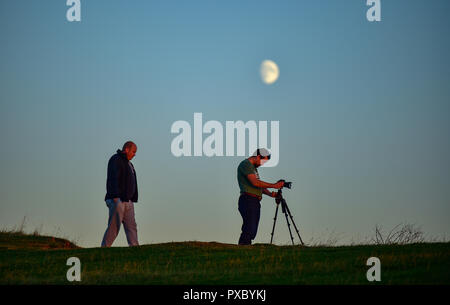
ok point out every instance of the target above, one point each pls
(285, 209)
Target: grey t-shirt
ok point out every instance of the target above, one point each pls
(246, 168)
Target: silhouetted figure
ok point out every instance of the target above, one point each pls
(252, 188)
(121, 194)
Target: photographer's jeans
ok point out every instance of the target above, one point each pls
(120, 212)
(250, 210)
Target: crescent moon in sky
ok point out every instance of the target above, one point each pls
(269, 72)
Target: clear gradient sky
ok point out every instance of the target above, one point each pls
(363, 108)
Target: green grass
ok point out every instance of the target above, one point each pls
(29, 259)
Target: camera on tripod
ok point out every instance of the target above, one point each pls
(285, 209)
(286, 184)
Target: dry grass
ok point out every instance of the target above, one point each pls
(401, 234)
(18, 238)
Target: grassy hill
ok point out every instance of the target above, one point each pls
(29, 259)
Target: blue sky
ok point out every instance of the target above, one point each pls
(363, 110)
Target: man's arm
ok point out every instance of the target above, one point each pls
(258, 183)
(269, 193)
(113, 178)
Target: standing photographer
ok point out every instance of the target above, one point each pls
(252, 189)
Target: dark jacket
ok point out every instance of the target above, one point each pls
(120, 179)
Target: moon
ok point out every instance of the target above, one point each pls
(269, 72)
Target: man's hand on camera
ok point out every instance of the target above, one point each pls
(278, 185)
(274, 194)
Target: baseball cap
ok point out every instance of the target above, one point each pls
(262, 152)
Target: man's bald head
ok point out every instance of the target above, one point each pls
(129, 149)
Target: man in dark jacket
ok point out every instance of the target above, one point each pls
(121, 194)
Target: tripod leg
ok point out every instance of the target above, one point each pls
(289, 227)
(293, 222)
(287, 220)
(274, 221)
